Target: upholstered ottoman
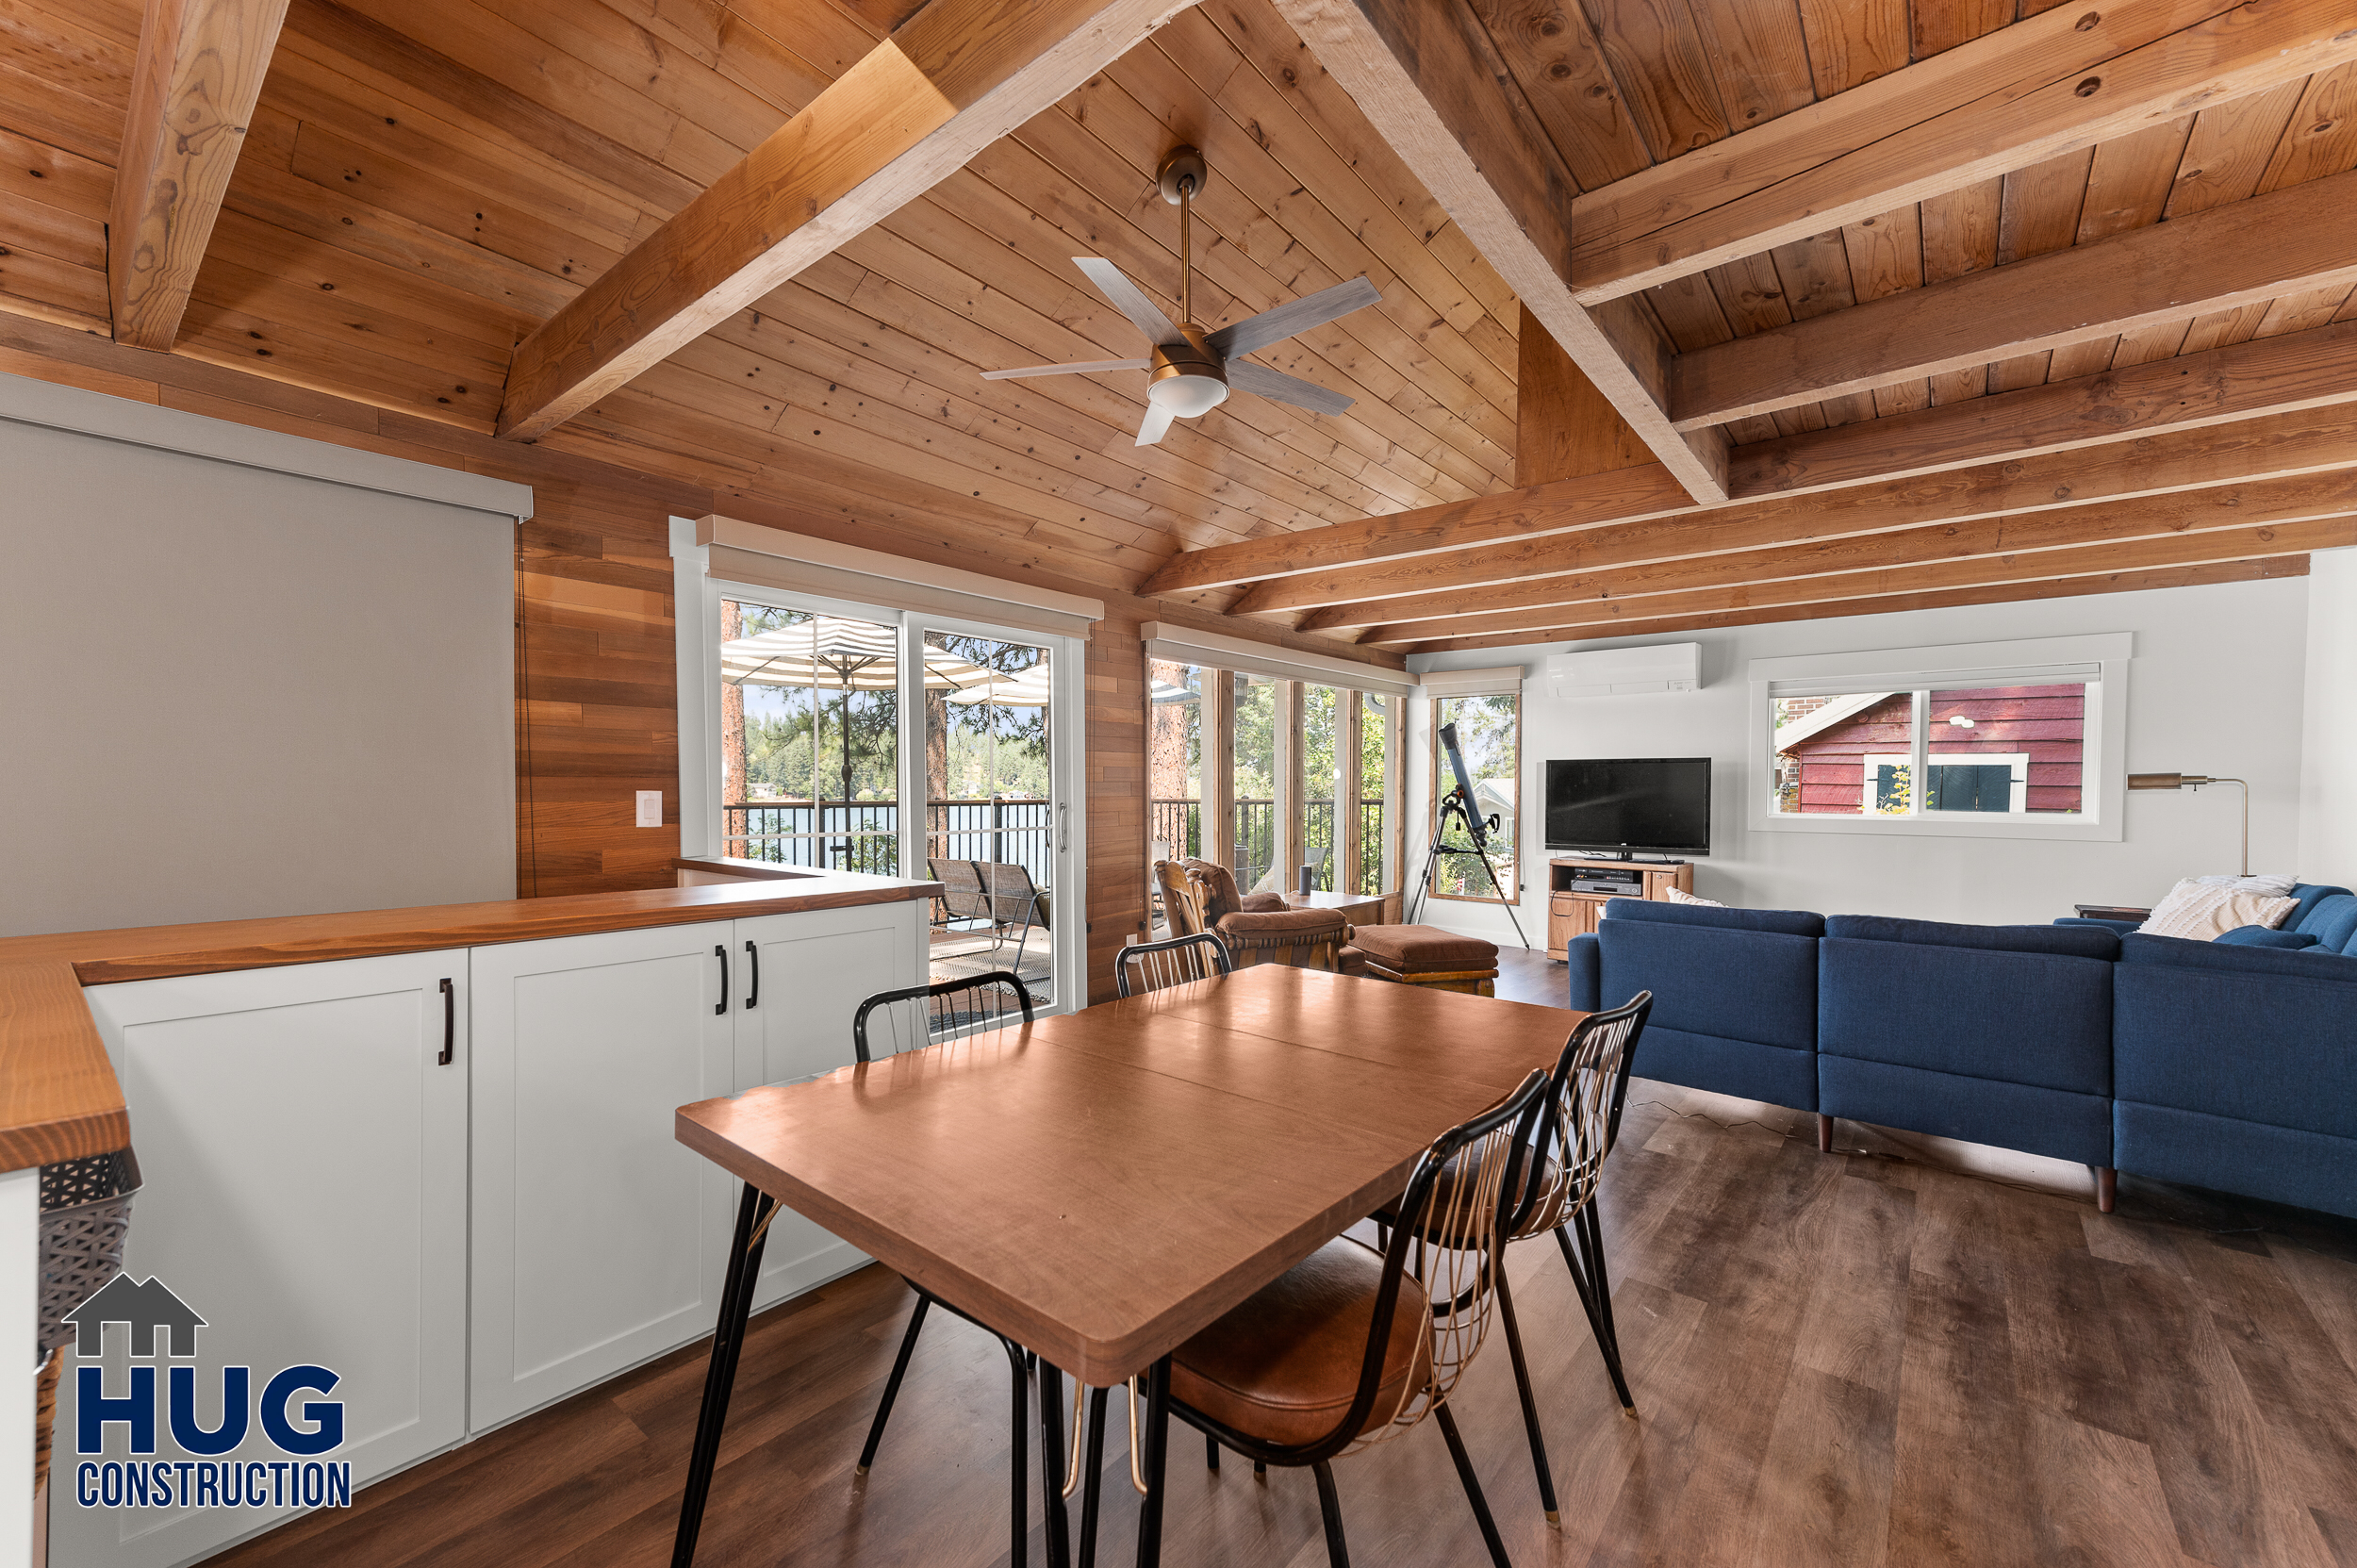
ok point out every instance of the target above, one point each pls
(1426, 955)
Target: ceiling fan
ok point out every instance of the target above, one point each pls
(1193, 369)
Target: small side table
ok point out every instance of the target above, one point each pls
(1357, 908)
(2111, 912)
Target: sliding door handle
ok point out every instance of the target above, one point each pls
(720, 951)
(753, 976)
(449, 1024)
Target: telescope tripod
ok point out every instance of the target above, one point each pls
(1455, 808)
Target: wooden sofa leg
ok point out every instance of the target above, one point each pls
(1825, 1133)
(2106, 1188)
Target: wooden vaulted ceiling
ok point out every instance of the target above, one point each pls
(1695, 312)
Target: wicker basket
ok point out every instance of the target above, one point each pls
(85, 1214)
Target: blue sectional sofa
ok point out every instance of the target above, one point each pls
(2226, 1064)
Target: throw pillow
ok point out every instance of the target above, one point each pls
(2275, 883)
(2202, 911)
(2259, 936)
(1679, 896)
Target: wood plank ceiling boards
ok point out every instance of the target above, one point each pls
(1827, 272)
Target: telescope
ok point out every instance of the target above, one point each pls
(1457, 806)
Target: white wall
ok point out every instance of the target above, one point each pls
(2215, 686)
(2328, 787)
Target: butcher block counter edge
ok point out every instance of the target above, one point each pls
(59, 1097)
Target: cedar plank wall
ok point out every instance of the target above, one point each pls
(595, 669)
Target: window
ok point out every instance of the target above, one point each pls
(2028, 744)
(1174, 760)
(1259, 757)
(809, 740)
(1320, 810)
(1489, 737)
(1377, 817)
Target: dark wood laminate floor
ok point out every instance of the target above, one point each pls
(1859, 1357)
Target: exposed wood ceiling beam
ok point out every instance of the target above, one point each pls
(2063, 587)
(2177, 514)
(953, 79)
(199, 73)
(2303, 442)
(2264, 375)
(1648, 491)
(1428, 79)
(2288, 241)
(2065, 79)
(2242, 542)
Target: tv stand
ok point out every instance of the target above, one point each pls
(1573, 913)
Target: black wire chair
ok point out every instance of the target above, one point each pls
(1427, 1294)
(1175, 961)
(916, 1018)
(1582, 1120)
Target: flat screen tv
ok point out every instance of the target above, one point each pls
(1629, 806)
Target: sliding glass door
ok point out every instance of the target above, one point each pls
(860, 738)
(990, 806)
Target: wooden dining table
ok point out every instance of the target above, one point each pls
(1098, 1186)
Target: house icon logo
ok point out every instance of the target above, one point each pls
(143, 1308)
(241, 1462)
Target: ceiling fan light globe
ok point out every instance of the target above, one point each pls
(1188, 396)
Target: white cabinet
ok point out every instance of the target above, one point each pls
(305, 1153)
(805, 975)
(598, 1237)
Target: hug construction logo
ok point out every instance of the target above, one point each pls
(163, 1329)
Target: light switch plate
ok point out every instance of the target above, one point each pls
(650, 808)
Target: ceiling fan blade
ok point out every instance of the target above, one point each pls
(1115, 286)
(1275, 326)
(1079, 367)
(1157, 421)
(1248, 377)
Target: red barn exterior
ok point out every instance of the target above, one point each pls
(1857, 764)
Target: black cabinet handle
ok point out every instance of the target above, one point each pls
(753, 976)
(720, 951)
(449, 1024)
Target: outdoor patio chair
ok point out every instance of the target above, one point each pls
(997, 892)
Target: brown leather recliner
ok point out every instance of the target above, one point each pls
(1199, 895)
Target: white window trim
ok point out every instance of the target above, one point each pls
(697, 644)
(1892, 670)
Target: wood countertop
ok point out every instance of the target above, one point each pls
(59, 1097)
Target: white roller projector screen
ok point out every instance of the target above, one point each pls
(229, 690)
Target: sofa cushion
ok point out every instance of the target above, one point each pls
(2332, 921)
(2042, 1019)
(1787, 923)
(2074, 941)
(2318, 963)
(2310, 895)
(2259, 936)
(1752, 986)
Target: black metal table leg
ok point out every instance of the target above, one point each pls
(1092, 1477)
(1019, 1460)
(728, 1341)
(1051, 1463)
(1157, 1442)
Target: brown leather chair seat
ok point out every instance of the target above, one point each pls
(1284, 1365)
(1416, 949)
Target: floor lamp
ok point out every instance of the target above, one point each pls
(2195, 781)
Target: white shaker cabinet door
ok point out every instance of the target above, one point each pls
(814, 969)
(303, 1149)
(598, 1236)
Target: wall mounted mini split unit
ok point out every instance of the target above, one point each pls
(1626, 672)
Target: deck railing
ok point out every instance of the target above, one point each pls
(1177, 826)
(865, 836)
